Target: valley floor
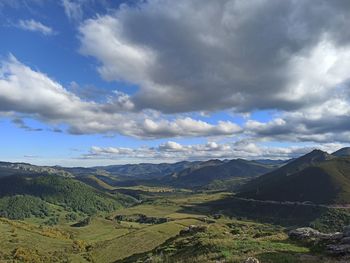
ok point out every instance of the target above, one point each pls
(169, 227)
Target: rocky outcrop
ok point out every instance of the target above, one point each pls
(308, 233)
(337, 244)
(193, 229)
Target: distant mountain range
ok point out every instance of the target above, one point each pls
(204, 173)
(7, 168)
(317, 177)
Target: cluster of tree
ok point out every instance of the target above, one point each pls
(21, 196)
(84, 222)
(52, 221)
(142, 219)
(22, 206)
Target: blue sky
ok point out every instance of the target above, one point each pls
(86, 82)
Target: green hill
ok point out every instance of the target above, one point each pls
(316, 177)
(72, 195)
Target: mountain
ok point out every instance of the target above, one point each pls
(273, 162)
(145, 170)
(205, 173)
(342, 152)
(317, 177)
(7, 168)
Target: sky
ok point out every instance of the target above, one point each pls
(97, 82)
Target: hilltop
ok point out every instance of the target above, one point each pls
(316, 177)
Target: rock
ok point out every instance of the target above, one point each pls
(304, 233)
(336, 244)
(217, 216)
(252, 260)
(193, 229)
(331, 237)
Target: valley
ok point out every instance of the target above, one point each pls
(94, 215)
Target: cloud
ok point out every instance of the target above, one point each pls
(327, 122)
(202, 55)
(22, 125)
(73, 9)
(199, 56)
(20, 4)
(172, 151)
(35, 26)
(29, 93)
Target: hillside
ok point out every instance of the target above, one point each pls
(316, 177)
(66, 192)
(207, 172)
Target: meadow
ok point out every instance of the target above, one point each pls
(221, 237)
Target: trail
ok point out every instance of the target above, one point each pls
(305, 203)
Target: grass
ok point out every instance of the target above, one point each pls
(106, 240)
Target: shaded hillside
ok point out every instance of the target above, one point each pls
(214, 170)
(66, 192)
(342, 152)
(272, 178)
(316, 178)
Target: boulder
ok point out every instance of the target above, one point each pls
(338, 249)
(252, 260)
(332, 236)
(336, 244)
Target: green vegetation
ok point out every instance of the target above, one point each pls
(191, 233)
(22, 206)
(49, 218)
(229, 240)
(66, 192)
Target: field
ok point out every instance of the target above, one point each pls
(105, 238)
(167, 226)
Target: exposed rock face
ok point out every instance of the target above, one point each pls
(337, 244)
(308, 233)
(304, 233)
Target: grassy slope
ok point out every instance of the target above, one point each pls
(105, 240)
(229, 240)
